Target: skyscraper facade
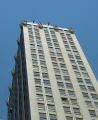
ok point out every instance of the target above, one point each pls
(52, 79)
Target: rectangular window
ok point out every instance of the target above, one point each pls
(80, 80)
(51, 108)
(82, 87)
(88, 81)
(41, 106)
(60, 84)
(75, 67)
(36, 74)
(71, 93)
(38, 89)
(85, 95)
(46, 82)
(92, 113)
(91, 88)
(40, 97)
(96, 104)
(66, 78)
(58, 77)
(77, 74)
(76, 110)
(65, 100)
(55, 64)
(69, 85)
(42, 116)
(85, 75)
(69, 118)
(94, 96)
(48, 90)
(89, 104)
(45, 75)
(62, 92)
(67, 110)
(37, 81)
(74, 102)
(49, 99)
(56, 70)
(53, 117)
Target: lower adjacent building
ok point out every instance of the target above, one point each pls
(52, 79)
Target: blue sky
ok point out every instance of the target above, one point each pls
(79, 14)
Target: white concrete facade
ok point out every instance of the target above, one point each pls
(61, 83)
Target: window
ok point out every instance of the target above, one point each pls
(59, 54)
(45, 75)
(91, 88)
(61, 59)
(69, 51)
(42, 116)
(75, 67)
(79, 118)
(38, 89)
(53, 117)
(41, 106)
(74, 47)
(46, 82)
(82, 69)
(82, 87)
(85, 75)
(36, 74)
(35, 67)
(94, 96)
(64, 71)
(85, 95)
(69, 85)
(77, 74)
(58, 77)
(48, 90)
(71, 93)
(55, 64)
(57, 49)
(49, 99)
(44, 68)
(62, 92)
(52, 53)
(56, 70)
(88, 81)
(33, 51)
(62, 65)
(40, 97)
(92, 113)
(51, 49)
(80, 80)
(76, 52)
(96, 104)
(65, 100)
(66, 78)
(76, 110)
(72, 61)
(78, 57)
(34, 61)
(53, 58)
(73, 101)
(89, 104)
(71, 56)
(41, 57)
(67, 109)
(38, 81)
(51, 108)
(69, 118)
(42, 62)
(60, 84)
(80, 62)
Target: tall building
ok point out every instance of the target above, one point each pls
(52, 79)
